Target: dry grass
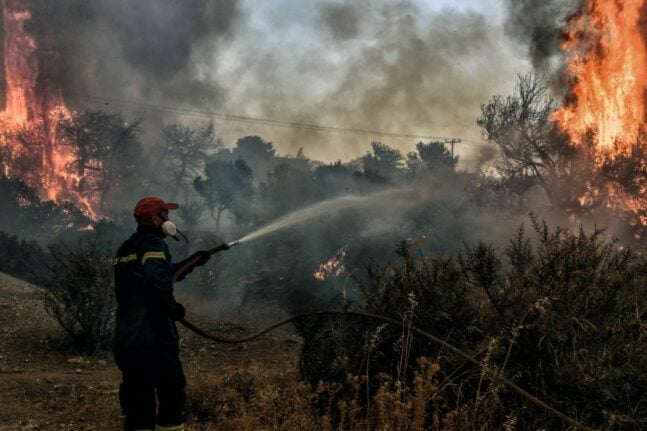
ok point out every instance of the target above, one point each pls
(259, 399)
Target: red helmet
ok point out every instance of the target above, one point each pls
(150, 206)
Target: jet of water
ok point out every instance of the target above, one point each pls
(384, 198)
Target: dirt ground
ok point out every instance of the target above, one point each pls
(45, 387)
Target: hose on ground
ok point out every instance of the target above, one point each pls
(490, 373)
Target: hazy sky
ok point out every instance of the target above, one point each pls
(404, 66)
(420, 67)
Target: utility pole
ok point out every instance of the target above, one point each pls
(452, 142)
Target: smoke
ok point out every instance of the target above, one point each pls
(148, 49)
(342, 20)
(390, 65)
(395, 200)
(537, 27)
(398, 66)
(380, 65)
(403, 79)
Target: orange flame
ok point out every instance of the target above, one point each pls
(333, 267)
(606, 50)
(32, 100)
(608, 58)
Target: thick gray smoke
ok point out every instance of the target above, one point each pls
(379, 65)
(538, 27)
(145, 49)
(342, 19)
(397, 66)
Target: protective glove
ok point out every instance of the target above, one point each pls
(204, 256)
(177, 311)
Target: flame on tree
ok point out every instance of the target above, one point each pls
(590, 154)
(64, 156)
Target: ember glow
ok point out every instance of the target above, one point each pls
(33, 107)
(333, 267)
(606, 50)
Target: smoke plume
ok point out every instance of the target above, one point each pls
(382, 65)
(147, 50)
(538, 27)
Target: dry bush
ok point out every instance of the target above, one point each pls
(80, 295)
(256, 399)
(249, 399)
(570, 314)
(562, 315)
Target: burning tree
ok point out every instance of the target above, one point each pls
(33, 106)
(605, 45)
(64, 156)
(105, 151)
(589, 154)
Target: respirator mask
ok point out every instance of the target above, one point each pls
(169, 229)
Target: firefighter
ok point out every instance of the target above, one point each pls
(152, 392)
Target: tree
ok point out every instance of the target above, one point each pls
(430, 157)
(186, 151)
(23, 259)
(257, 153)
(288, 188)
(299, 161)
(384, 161)
(191, 212)
(227, 186)
(106, 149)
(520, 126)
(33, 218)
(24, 152)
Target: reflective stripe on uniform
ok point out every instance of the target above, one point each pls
(125, 259)
(153, 255)
(169, 427)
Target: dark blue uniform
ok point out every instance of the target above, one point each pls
(146, 339)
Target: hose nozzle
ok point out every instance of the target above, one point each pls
(223, 246)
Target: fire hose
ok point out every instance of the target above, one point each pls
(490, 373)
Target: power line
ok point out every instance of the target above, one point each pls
(256, 120)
